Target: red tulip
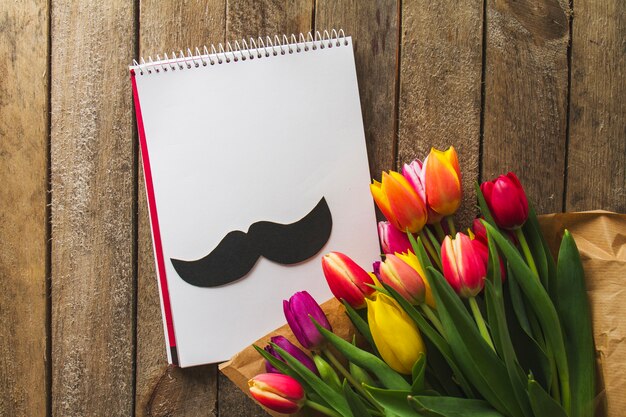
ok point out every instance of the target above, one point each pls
(442, 181)
(391, 239)
(463, 265)
(479, 230)
(346, 279)
(399, 202)
(506, 200)
(277, 392)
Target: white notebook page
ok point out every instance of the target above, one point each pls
(234, 143)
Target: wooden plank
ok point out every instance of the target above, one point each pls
(93, 182)
(246, 18)
(162, 390)
(374, 28)
(23, 196)
(440, 76)
(596, 175)
(525, 112)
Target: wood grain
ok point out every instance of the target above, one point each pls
(526, 73)
(23, 218)
(597, 143)
(252, 18)
(163, 390)
(440, 75)
(374, 29)
(92, 263)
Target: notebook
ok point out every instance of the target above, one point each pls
(255, 166)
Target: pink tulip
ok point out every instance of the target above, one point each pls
(414, 174)
(391, 239)
(277, 392)
(463, 265)
(346, 279)
(403, 278)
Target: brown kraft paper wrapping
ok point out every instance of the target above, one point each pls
(601, 240)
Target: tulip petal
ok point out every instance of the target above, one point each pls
(407, 206)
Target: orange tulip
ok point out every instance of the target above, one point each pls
(399, 202)
(443, 181)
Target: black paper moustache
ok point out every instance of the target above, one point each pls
(238, 251)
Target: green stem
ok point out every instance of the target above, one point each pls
(482, 328)
(333, 359)
(431, 250)
(439, 230)
(451, 225)
(432, 317)
(322, 409)
(526, 249)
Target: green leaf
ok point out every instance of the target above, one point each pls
(360, 324)
(335, 400)
(387, 376)
(451, 407)
(498, 321)
(542, 404)
(483, 368)
(433, 241)
(420, 251)
(419, 370)
(531, 353)
(357, 406)
(575, 314)
(435, 338)
(484, 208)
(395, 401)
(543, 307)
(533, 236)
(551, 264)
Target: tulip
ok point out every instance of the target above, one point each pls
(277, 392)
(479, 230)
(327, 373)
(290, 348)
(414, 174)
(410, 258)
(376, 269)
(463, 266)
(395, 335)
(346, 280)
(443, 181)
(391, 239)
(465, 270)
(506, 200)
(403, 278)
(297, 310)
(399, 202)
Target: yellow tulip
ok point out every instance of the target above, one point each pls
(396, 337)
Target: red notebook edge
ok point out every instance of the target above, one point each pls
(154, 222)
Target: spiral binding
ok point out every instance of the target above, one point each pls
(241, 50)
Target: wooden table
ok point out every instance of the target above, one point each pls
(529, 86)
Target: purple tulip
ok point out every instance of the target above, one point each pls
(297, 311)
(290, 348)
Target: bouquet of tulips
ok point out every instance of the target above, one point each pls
(484, 323)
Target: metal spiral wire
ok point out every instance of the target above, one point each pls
(241, 50)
